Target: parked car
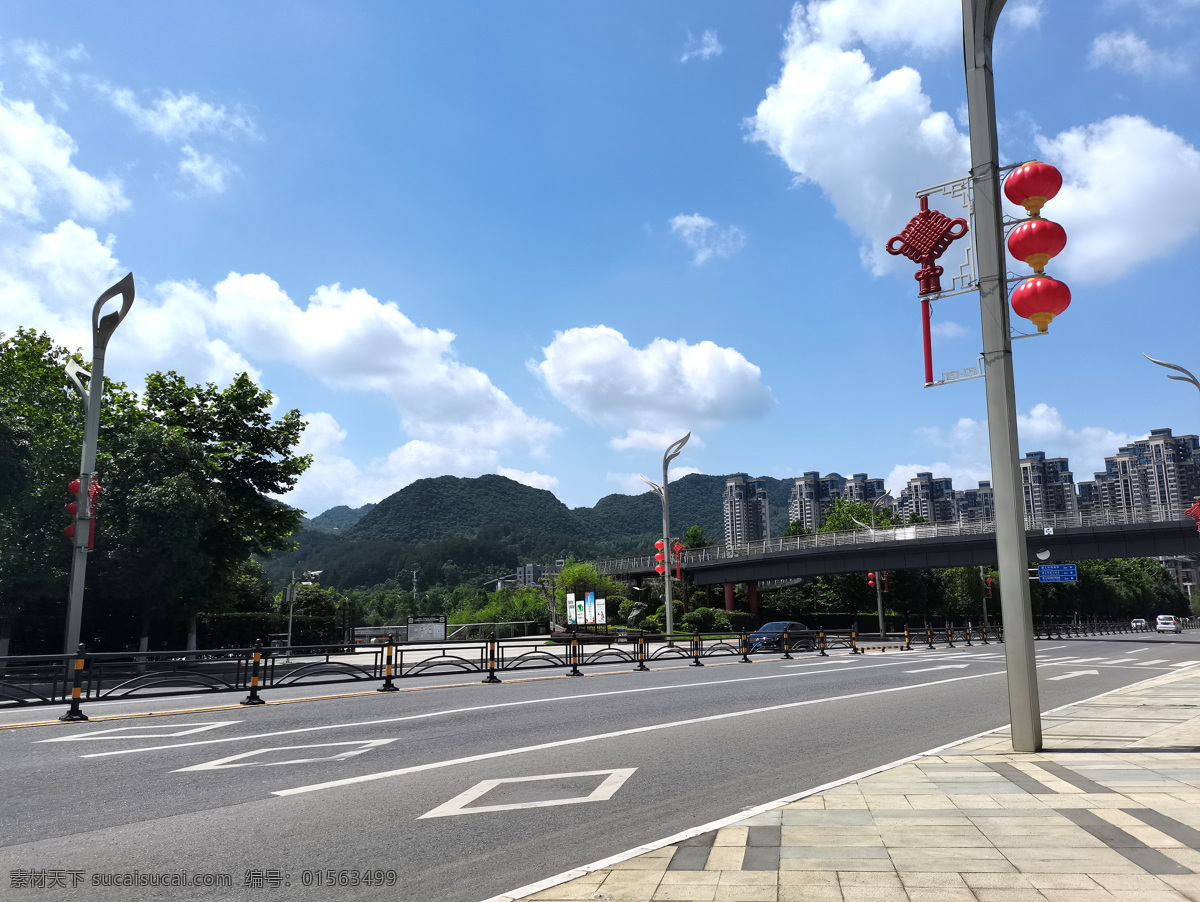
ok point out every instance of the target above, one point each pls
(770, 635)
(1167, 624)
(1139, 624)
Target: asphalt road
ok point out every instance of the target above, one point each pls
(397, 783)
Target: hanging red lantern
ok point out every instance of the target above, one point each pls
(1036, 241)
(660, 569)
(1040, 299)
(1032, 184)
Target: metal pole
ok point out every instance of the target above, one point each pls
(669, 455)
(979, 25)
(102, 330)
(983, 582)
(291, 608)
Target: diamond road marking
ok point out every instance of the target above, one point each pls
(364, 745)
(457, 805)
(139, 732)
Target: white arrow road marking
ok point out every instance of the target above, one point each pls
(942, 667)
(457, 805)
(1075, 673)
(133, 732)
(1155, 661)
(364, 745)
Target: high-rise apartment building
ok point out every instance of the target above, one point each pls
(1158, 474)
(1047, 485)
(813, 495)
(747, 510)
(927, 497)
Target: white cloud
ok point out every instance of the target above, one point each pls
(1130, 195)
(36, 168)
(632, 484)
(1126, 52)
(176, 118)
(351, 340)
(663, 390)
(705, 47)
(1025, 14)
(653, 439)
(207, 174)
(946, 330)
(705, 239)
(868, 142)
(48, 66)
(533, 479)
(1042, 429)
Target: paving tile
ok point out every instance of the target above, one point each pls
(1009, 895)
(748, 892)
(570, 890)
(740, 878)
(1065, 881)
(873, 894)
(725, 858)
(844, 852)
(685, 893)
(859, 865)
(731, 836)
(940, 894)
(997, 881)
(809, 894)
(691, 878)
(921, 879)
(808, 878)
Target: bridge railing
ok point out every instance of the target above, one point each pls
(869, 536)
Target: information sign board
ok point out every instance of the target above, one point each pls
(427, 629)
(1058, 573)
(589, 610)
(601, 611)
(571, 608)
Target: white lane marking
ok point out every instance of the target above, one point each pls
(364, 745)
(1073, 674)
(942, 667)
(473, 709)
(457, 805)
(107, 734)
(1155, 661)
(580, 740)
(733, 819)
(1117, 660)
(1185, 663)
(1087, 660)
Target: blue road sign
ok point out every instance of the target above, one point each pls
(1058, 573)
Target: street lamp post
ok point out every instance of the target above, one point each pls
(93, 398)
(979, 26)
(879, 576)
(669, 455)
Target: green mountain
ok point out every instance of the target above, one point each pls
(338, 518)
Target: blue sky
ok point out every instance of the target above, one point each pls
(545, 239)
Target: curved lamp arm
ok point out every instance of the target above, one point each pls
(1187, 377)
(102, 329)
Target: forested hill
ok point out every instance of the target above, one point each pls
(495, 507)
(487, 526)
(431, 510)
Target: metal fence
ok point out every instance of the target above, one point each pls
(885, 534)
(39, 680)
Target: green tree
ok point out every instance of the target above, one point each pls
(843, 514)
(694, 537)
(797, 528)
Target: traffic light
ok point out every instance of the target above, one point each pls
(871, 580)
(660, 567)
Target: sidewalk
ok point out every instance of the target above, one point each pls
(1109, 810)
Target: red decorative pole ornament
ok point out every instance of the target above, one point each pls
(924, 239)
(1040, 299)
(1032, 184)
(1036, 241)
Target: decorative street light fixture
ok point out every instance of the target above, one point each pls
(1186, 377)
(87, 487)
(671, 453)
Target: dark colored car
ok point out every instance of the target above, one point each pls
(770, 635)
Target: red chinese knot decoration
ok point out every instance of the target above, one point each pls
(923, 240)
(1194, 513)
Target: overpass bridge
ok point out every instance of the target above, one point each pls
(957, 544)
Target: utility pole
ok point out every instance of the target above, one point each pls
(671, 453)
(93, 398)
(979, 27)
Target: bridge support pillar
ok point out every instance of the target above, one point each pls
(729, 596)
(752, 594)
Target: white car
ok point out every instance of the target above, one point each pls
(1167, 624)
(1139, 624)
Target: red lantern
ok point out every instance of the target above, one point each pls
(1036, 241)
(660, 557)
(1032, 184)
(1040, 299)
(660, 569)
(660, 544)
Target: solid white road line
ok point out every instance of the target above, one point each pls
(940, 667)
(1073, 674)
(580, 740)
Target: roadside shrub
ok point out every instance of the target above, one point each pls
(740, 620)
